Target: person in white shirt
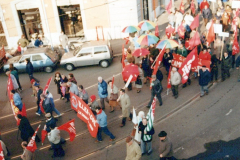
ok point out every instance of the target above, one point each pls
(179, 18)
(188, 18)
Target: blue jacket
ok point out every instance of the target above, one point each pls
(50, 122)
(102, 119)
(29, 68)
(17, 101)
(48, 105)
(205, 77)
(102, 89)
(38, 43)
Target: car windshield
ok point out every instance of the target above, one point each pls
(76, 51)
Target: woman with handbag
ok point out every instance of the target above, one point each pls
(112, 95)
(136, 135)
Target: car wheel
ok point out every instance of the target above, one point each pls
(104, 63)
(48, 69)
(69, 67)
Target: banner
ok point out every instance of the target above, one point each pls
(1, 153)
(201, 63)
(85, 114)
(190, 61)
(177, 60)
(158, 60)
(10, 96)
(70, 128)
(32, 144)
(44, 92)
(43, 135)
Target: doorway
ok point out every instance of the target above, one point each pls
(145, 10)
(71, 20)
(3, 40)
(31, 24)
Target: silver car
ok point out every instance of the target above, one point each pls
(90, 53)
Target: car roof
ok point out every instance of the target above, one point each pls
(35, 50)
(94, 43)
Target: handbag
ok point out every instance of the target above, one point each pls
(133, 132)
(113, 97)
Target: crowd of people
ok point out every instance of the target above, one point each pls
(140, 142)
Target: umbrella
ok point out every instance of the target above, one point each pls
(169, 43)
(136, 44)
(130, 29)
(130, 69)
(146, 25)
(140, 52)
(147, 39)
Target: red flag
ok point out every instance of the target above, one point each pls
(126, 40)
(32, 144)
(44, 92)
(181, 31)
(235, 46)
(211, 34)
(43, 135)
(181, 8)
(1, 153)
(24, 112)
(169, 77)
(195, 23)
(195, 40)
(158, 61)
(169, 30)
(191, 60)
(156, 31)
(10, 96)
(112, 82)
(123, 56)
(237, 12)
(153, 105)
(70, 128)
(169, 7)
(85, 114)
(192, 7)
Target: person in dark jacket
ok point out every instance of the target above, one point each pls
(29, 68)
(146, 137)
(48, 105)
(165, 147)
(226, 65)
(38, 43)
(102, 92)
(204, 79)
(39, 92)
(167, 59)
(156, 90)
(159, 75)
(26, 129)
(214, 67)
(58, 81)
(206, 13)
(146, 68)
(237, 67)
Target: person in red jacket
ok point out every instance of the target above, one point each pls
(203, 4)
(204, 55)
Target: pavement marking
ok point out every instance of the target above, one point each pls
(229, 112)
(29, 109)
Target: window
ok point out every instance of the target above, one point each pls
(37, 58)
(98, 50)
(23, 58)
(85, 52)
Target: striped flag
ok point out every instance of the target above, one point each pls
(150, 118)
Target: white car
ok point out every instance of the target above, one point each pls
(90, 53)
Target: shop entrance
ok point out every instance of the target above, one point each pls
(71, 20)
(31, 24)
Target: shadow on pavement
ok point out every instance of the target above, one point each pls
(220, 150)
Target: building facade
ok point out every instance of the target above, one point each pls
(92, 19)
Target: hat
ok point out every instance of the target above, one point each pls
(36, 84)
(162, 134)
(204, 66)
(48, 115)
(93, 98)
(128, 139)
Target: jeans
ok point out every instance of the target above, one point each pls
(143, 146)
(23, 49)
(39, 109)
(18, 82)
(225, 72)
(214, 74)
(203, 89)
(102, 102)
(106, 131)
(158, 95)
(56, 111)
(174, 90)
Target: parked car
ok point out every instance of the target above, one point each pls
(90, 53)
(41, 58)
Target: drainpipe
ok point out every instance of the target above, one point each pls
(45, 17)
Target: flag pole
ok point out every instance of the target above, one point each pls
(158, 55)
